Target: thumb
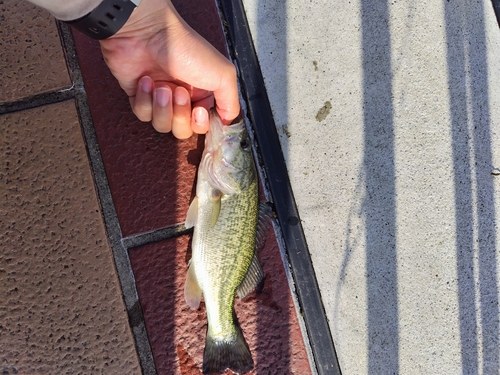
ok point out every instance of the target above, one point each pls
(226, 97)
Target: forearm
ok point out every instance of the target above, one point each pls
(67, 10)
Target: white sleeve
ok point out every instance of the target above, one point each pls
(67, 10)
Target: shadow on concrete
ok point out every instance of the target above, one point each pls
(379, 204)
(474, 191)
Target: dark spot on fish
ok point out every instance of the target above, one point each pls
(315, 63)
(324, 111)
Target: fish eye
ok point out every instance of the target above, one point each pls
(245, 145)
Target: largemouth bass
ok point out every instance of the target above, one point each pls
(224, 214)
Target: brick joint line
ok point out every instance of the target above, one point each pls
(155, 236)
(37, 100)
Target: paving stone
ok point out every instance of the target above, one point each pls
(62, 310)
(31, 59)
(177, 333)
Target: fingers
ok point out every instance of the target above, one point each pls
(142, 103)
(198, 63)
(162, 109)
(200, 120)
(181, 120)
(170, 108)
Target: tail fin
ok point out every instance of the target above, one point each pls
(221, 355)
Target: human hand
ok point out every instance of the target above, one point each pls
(170, 73)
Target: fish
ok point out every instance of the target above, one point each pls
(225, 216)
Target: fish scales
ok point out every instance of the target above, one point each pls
(224, 254)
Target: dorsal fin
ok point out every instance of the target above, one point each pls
(266, 215)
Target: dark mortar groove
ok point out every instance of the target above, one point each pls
(37, 100)
(155, 236)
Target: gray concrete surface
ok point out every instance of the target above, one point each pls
(389, 119)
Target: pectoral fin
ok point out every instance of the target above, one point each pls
(253, 277)
(192, 214)
(192, 290)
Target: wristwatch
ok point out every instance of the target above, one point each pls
(106, 19)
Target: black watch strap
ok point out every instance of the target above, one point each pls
(106, 19)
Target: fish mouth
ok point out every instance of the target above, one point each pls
(218, 132)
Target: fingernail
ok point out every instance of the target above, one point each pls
(145, 84)
(181, 97)
(163, 96)
(200, 115)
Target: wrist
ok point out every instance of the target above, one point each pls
(106, 19)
